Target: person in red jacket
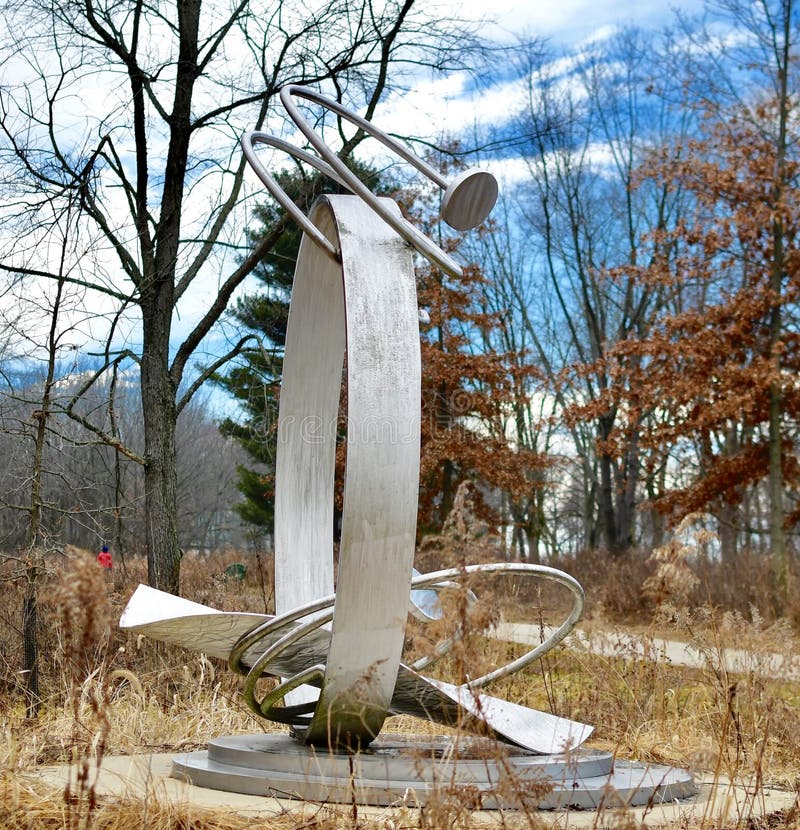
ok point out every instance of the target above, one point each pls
(104, 558)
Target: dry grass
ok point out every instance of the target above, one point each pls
(108, 693)
(24, 807)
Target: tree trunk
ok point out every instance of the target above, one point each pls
(728, 532)
(160, 469)
(607, 499)
(656, 484)
(590, 499)
(536, 526)
(35, 534)
(30, 649)
(159, 385)
(626, 495)
(448, 489)
(777, 274)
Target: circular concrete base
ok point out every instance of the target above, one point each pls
(411, 770)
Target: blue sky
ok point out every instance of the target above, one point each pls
(568, 22)
(449, 105)
(442, 108)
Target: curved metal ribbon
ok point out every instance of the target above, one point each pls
(467, 201)
(367, 304)
(354, 292)
(413, 694)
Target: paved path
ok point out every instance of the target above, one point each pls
(621, 644)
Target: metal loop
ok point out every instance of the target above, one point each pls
(275, 650)
(405, 229)
(279, 194)
(297, 715)
(334, 106)
(524, 568)
(443, 648)
(275, 624)
(467, 200)
(266, 707)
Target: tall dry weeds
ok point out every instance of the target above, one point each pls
(107, 692)
(84, 635)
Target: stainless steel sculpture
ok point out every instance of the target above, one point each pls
(354, 291)
(257, 644)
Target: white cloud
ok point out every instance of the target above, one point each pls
(433, 110)
(570, 22)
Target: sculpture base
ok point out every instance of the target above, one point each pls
(410, 770)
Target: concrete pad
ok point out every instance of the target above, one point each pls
(148, 777)
(403, 770)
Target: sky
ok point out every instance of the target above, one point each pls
(447, 106)
(569, 22)
(450, 105)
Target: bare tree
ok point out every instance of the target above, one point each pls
(587, 130)
(135, 110)
(36, 429)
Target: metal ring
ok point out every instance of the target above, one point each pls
(542, 571)
(294, 715)
(443, 648)
(441, 579)
(260, 631)
(392, 143)
(254, 137)
(257, 669)
(405, 229)
(297, 715)
(468, 199)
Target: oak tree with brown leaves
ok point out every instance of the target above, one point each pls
(470, 397)
(721, 367)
